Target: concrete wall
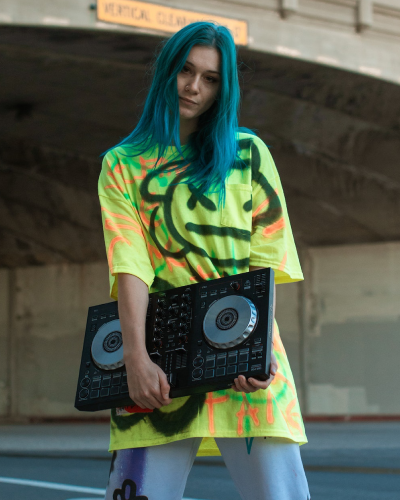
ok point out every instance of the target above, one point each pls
(47, 308)
(4, 342)
(288, 314)
(341, 330)
(353, 334)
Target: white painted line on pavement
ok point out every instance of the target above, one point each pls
(53, 486)
(60, 486)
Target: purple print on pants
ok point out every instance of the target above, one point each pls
(127, 475)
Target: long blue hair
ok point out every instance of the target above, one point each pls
(213, 150)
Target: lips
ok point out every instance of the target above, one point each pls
(188, 100)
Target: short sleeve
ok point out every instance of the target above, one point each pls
(124, 238)
(271, 243)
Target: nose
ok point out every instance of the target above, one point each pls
(193, 85)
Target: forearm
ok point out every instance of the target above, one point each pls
(133, 299)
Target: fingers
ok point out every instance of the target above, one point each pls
(274, 365)
(243, 385)
(164, 389)
(156, 396)
(252, 385)
(146, 401)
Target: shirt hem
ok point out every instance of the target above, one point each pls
(228, 434)
(292, 275)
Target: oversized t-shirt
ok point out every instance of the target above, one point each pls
(168, 234)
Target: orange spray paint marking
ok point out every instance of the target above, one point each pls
(153, 250)
(279, 376)
(204, 275)
(270, 408)
(171, 260)
(144, 165)
(110, 225)
(118, 168)
(210, 401)
(289, 415)
(246, 409)
(274, 228)
(283, 262)
(144, 217)
(260, 207)
(111, 174)
(143, 170)
(174, 263)
(110, 250)
(119, 216)
(113, 186)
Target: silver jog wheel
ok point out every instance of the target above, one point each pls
(107, 349)
(230, 321)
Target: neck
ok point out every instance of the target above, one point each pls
(186, 127)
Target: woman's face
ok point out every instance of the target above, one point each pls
(199, 82)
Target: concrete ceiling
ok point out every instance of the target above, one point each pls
(68, 95)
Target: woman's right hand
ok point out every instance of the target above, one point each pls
(147, 383)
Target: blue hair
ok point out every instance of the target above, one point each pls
(213, 150)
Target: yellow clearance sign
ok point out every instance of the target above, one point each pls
(161, 18)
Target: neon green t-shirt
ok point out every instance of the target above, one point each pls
(167, 234)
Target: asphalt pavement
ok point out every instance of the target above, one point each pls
(346, 461)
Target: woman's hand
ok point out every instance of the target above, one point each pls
(148, 385)
(253, 385)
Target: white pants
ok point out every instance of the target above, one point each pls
(261, 468)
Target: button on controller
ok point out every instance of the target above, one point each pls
(197, 362)
(235, 285)
(197, 373)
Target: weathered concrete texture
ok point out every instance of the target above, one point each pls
(289, 322)
(4, 341)
(48, 207)
(335, 138)
(49, 310)
(353, 340)
(69, 95)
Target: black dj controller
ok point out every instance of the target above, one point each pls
(202, 335)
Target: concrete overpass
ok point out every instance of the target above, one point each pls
(320, 85)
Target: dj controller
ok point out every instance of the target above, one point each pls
(202, 336)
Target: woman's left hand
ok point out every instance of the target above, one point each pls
(253, 385)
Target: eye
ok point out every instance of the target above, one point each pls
(185, 69)
(211, 79)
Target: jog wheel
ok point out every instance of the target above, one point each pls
(230, 321)
(107, 349)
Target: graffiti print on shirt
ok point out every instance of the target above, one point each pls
(169, 234)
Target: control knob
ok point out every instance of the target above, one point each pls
(187, 298)
(157, 342)
(183, 338)
(160, 322)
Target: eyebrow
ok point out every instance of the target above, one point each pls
(207, 71)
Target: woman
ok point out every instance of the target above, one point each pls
(188, 197)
